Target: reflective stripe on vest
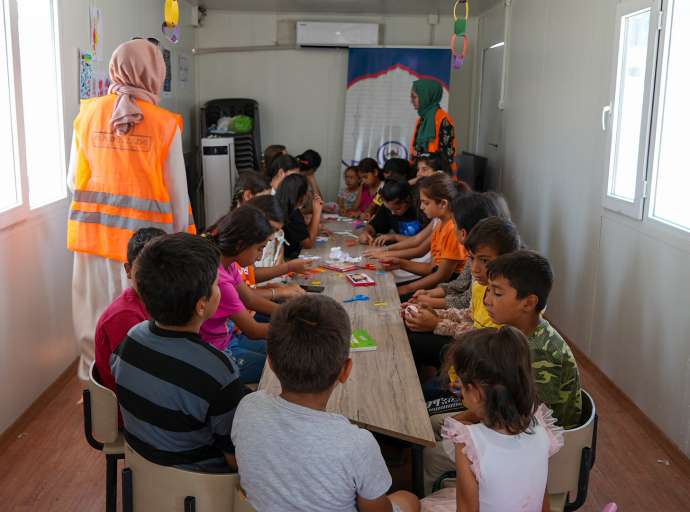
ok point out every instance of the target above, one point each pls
(120, 184)
(115, 221)
(123, 201)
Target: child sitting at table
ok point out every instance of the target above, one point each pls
(468, 210)
(298, 235)
(177, 395)
(427, 165)
(501, 446)
(253, 276)
(448, 255)
(350, 196)
(123, 313)
(241, 237)
(271, 153)
(292, 454)
(372, 180)
(281, 167)
(249, 185)
(519, 287)
(396, 220)
(397, 169)
(431, 329)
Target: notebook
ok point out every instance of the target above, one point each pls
(361, 341)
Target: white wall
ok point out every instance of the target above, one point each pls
(621, 287)
(36, 337)
(301, 93)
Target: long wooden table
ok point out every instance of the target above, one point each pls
(383, 393)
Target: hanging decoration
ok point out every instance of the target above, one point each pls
(459, 32)
(171, 21)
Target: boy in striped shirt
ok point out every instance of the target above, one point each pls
(177, 394)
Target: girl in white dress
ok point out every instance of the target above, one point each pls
(502, 443)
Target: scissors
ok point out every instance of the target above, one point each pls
(357, 298)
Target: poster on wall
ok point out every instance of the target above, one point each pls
(379, 117)
(85, 75)
(167, 83)
(96, 32)
(93, 82)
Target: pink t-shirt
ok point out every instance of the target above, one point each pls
(366, 199)
(216, 330)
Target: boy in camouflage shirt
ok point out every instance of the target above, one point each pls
(519, 286)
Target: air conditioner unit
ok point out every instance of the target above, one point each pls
(336, 35)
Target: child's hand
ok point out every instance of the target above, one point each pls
(426, 300)
(289, 291)
(424, 320)
(383, 239)
(366, 238)
(419, 293)
(391, 263)
(375, 254)
(299, 266)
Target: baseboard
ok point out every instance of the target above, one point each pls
(37, 406)
(676, 455)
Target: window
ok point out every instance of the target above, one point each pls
(649, 112)
(31, 127)
(630, 107)
(41, 102)
(670, 181)
(10, 196)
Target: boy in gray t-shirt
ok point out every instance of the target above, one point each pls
(292, 455)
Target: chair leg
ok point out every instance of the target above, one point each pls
(127, 491)
(111, 483)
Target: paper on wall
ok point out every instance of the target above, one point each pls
(96, 32)
(183, 70)
(85, 75)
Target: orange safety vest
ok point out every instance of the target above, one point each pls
(433, 146)
(120, 179)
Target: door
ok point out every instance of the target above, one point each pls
(490, 132)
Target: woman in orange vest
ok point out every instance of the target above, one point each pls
(126, 172)
(435, 130)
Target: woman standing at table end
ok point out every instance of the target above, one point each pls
(126, 172)
(435, 130)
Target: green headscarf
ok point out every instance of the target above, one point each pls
(430, 93)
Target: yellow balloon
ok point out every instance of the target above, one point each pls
(171, 13)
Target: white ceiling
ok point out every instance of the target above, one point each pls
(347, 6)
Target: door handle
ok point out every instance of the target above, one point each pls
(493, 145)
(605, 113)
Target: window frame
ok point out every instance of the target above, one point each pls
(656, 129)
(23, 210)
(636, 208)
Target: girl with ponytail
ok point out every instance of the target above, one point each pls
(448, 255)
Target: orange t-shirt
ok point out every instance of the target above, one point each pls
(445, 245)
(248, 275)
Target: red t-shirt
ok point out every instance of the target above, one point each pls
(124, 312)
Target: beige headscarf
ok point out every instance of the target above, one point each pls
(137, 70)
